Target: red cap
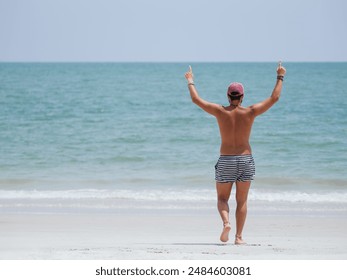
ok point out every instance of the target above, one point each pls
(235, 88)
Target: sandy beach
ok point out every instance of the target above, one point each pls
(168, 234)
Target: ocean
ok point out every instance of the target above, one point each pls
(126, 135)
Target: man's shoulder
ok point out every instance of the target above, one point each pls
(247, 109)
(244, 110)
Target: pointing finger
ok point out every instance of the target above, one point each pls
(190, 69)
(280, 64)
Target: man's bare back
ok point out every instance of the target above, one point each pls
(235, 124)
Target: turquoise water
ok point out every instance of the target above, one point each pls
(79, 128)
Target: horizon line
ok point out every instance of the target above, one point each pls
(168, 62)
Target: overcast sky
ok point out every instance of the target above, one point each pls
(176, 30)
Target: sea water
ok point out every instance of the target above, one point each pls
(123, 134)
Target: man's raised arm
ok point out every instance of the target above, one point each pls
(265, 105)
(208, 107)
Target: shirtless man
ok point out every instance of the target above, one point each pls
(235, 164)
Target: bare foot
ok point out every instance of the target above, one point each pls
(239, 240)
(224, 237)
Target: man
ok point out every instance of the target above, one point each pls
(235, 164)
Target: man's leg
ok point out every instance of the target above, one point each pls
(242, 189)
(223, 194)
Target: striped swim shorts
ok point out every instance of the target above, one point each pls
(234, 168)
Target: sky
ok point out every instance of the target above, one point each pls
(173, 30)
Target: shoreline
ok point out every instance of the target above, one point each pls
(168, 234)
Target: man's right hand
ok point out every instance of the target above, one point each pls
(189, 75)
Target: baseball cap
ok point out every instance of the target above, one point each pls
(235, 89)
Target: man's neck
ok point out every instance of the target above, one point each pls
(232, 105)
